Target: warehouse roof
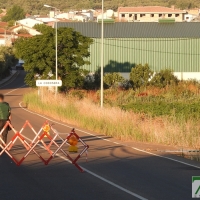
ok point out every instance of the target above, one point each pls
(136, 29)
(149, 9)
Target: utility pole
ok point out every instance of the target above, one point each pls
(56, 42)
(102, 51)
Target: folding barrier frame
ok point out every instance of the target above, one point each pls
(39, 136)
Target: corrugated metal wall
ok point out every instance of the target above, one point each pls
(120, 54)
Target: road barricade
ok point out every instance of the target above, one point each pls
(39, 140)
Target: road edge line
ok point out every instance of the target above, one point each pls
(99, 177)
(160, 156)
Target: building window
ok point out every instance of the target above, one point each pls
(130, 15)
(152, 15)
(123, 15)
(176, 15)
(160, 15)
(142, 15)
(169, 15)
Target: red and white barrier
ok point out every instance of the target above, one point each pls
(39, 138)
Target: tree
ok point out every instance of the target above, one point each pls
(42, 28)
(140, 75)
(164, 78)
(35, 6)
(113, 79)
(38, 54)
(22, 31)
(92, 81)
(7, 60)
(15, 13)
(11, 23)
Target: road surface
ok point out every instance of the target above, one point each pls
(112, 172)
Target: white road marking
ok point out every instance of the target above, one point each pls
(97, 176)
(106, 140)
(172, 159)
(88, 171)
(14, 90)
(165, 157)
(116, 143)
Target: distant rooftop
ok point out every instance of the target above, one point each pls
(136, 30)
(149, 9)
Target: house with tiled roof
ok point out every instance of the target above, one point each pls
(150, 14)
(18, 27)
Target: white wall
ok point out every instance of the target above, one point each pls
(29, 22)
(2, 42)
(89, 15)
(189, 17)
(179, 75)
(80, 18)
(45, 19)
(187, 75)
(63, 16)
(100, 16)
(30, 30)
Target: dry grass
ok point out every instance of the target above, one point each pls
(113, 121)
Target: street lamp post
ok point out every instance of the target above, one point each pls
(56, 43)
(102, 51)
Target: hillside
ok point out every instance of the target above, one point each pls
(36, 6)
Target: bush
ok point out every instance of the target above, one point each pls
(113, 79)
(163, 78)
(126, 84)
(140, 75)
(92, 81)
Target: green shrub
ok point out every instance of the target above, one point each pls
(163, 78)
(140, 75)
(113, 79)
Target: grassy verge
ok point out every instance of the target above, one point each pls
(113, 121)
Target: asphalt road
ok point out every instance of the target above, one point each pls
(113, 171)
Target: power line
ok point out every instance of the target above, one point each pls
(153, 39)
(148, 50)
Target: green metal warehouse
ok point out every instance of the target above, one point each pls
(162, 45)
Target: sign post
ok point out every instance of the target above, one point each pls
(46, 83)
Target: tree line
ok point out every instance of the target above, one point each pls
(36, 7)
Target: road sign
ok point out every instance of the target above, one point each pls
(196, 187)
(42, 83)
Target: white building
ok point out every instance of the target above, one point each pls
(63, 16)
(28, 22)
(45, 19)
(109, 13)
(89, 15)
(30, 30)
(80, 17)
(189, 17)
(99, 17)
(150, 14)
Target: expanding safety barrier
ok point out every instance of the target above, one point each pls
(47, 137)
